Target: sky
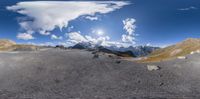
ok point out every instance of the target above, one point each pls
(107, 23)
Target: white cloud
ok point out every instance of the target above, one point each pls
(98, 41)
(76, 37)
(188, 8)
(129, 27)
(42, 32)
(46, 44)
(92, 18)
(148, 44)
(54, 37)
(69, 29)
(128, 38)
(98, 32)
(25, 36)
(45, 16)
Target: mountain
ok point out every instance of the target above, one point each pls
(180, 49)
(8, 45)
(138, 51)
(118, 53)
(83, 45)
(131, 51)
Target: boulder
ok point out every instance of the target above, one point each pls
(198, 51)
(60, 46)
(96, 56)
(192, 52)
(152, 67)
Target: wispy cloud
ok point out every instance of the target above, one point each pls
(188, 8)
(45, 16)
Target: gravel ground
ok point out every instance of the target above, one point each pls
(76, 74)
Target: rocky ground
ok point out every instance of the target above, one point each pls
(77, 74)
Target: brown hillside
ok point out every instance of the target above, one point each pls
(179, 49)
(8, 45)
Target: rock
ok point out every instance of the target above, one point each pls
(94, 52)
(118, 62)
(161, 84)
(161, 75)
(152, 67)
(110, 56)
(181, 57)
(96, 56)
(60, 46)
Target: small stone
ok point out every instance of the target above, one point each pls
(160, 75)
(161, 84)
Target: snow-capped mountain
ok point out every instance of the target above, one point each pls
(137, 51)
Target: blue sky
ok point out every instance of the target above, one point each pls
(158, 22)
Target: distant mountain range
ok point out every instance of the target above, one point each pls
(131, 51)
(152, 54)
(188, 46)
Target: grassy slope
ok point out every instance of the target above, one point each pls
(180, 49)
(8, 45)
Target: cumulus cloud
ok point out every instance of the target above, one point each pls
(45, 16)
(54, 37)
(76, 37)
(129, 27)
(25, 36)
(188, 8)
(128, 38)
